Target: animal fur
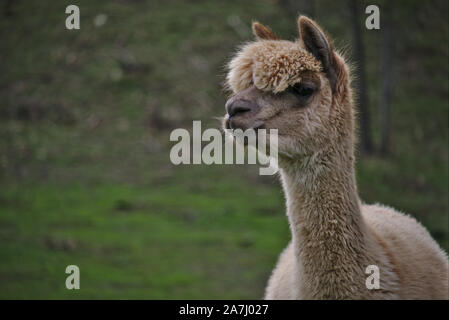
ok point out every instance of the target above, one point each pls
(334, 235)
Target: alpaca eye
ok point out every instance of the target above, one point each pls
(302, 90)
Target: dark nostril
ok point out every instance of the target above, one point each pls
(237, 106)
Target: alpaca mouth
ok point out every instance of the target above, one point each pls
(228, 123)
(231, 123)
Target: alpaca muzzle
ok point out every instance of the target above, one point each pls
(241, 110)
(239, 113)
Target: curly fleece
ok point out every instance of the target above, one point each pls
(270, 65)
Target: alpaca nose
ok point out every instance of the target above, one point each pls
(234, 107)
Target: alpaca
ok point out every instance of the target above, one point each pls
(303, 89)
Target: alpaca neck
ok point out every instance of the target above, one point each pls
(328, 234)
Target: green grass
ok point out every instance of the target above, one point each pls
(157, 241)
(85, 176)
(197, 232)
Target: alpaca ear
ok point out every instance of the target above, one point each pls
(263, 33)
(316, 42)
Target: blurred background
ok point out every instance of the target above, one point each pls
(85, 118)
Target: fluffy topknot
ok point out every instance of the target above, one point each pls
(270, 65)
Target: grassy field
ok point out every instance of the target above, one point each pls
(85, 176)
(158, 240)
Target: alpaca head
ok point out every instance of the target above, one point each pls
(300, 88)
